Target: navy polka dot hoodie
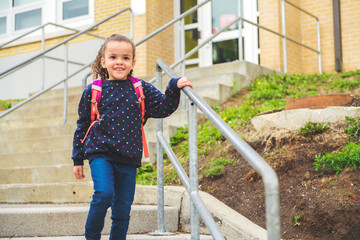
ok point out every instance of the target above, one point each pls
(119, 134)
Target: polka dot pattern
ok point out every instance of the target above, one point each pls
(119, 132)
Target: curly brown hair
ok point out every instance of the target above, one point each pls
(97, 70)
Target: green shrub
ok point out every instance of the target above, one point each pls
(216, 167)
(314, 128)
(349, 157)
(146, 175)
(181, 135)
(353, 128)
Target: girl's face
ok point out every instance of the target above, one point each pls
(118, 59)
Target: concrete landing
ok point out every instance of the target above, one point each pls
(298, 118)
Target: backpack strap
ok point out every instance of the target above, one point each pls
(96, 89)
(141, 101)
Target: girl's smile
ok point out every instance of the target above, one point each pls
(118, 60)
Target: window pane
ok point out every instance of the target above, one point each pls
(2, 25)
(223, 14)
(225, 51)
(186, 5)
(28, 19)
(22, 2)
(4, 4)
(191, 39)
(75, 8)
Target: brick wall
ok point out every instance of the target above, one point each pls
(350, 33)
(301, 27)
(159, 12)
(270, 44)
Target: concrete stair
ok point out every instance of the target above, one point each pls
(35, 152)
(33, 219)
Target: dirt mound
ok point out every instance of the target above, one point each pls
(312, 205)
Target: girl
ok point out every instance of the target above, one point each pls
(114, 145)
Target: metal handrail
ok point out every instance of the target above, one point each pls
(257, 162)
(154, 33)
(318, 50)
(41, 54)
(240, 18)
(42, 27)
(31, 59)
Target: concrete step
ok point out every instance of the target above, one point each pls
(68, 219)
(59, 92)
(20, 134)
(226, 78)
(68, 192)
(35, 145)
(44, 110)
(39, 121)
(249, 70)
(26, 159)
(40, 174)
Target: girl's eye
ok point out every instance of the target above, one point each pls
(112, 57)
(126, 58)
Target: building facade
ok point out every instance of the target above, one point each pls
(260, 39)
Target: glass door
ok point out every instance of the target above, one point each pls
(236, 43)
(191, 32)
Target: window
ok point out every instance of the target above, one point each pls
(20, 16)
(2, 25)
(16, 15)
(16, 3)
(28, 19)
(75, 8)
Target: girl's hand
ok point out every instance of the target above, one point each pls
(78, 172)
(183, 82)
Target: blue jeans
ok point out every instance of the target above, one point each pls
(114, 186)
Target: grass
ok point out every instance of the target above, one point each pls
(338, 161)
(269, 92)
(6, 104)
(314, 128)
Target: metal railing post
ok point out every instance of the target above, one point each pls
(283, 24)
(240, 41)
(193, 170)
(43, 56)
(66, 66)
(131, 24)
(160, 164)
(182, 54)
(318, 44)
(160, 169)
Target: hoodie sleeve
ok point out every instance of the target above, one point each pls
(158, 105)
(83, 124)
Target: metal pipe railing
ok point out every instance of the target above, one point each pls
(154, 33)
(42, 55)
(259, 164)
(240, 19)
(31, 59)
(42, 27)
(283, 23)
(197, 207)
